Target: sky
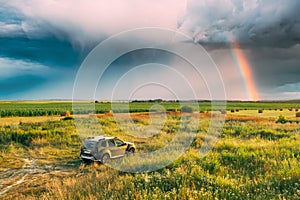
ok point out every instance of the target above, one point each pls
(255, 45)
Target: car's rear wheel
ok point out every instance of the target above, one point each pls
(105, 158)
(86, 161)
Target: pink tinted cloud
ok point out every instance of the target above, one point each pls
(88, 19)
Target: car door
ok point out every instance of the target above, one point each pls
(121, 147)
(113, 148)
(102, 145)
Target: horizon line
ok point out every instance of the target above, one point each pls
(155, 100)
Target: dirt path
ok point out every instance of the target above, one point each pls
(10, 178)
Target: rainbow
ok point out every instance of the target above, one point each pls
(245, 70)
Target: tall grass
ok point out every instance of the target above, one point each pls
(251, 160)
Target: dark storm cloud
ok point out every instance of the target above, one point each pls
(35, 40)
(262, 23)
(267, 30)
(32, 55)
(276, 67)
(48, 51)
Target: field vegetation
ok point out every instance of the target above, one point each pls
(256, 157)
(52, 108)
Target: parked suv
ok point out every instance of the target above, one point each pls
(101, 148)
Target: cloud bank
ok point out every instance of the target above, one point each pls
(251, 22)
(85, 21)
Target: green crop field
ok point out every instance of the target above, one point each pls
(52, 108)
(256, 156)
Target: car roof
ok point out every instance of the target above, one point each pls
(98, 138)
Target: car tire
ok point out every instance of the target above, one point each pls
(105, 158)
(130, 152)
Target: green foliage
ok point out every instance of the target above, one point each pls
(49, 108)
(271, 135)
(26, 133)
(281, 119)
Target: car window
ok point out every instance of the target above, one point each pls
(119, 142)
(89, 144)
(111, 143)
(102, 144)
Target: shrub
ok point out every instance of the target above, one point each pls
(281, 119)
(260, 111)
(298, 114)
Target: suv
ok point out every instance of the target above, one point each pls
(101, 148)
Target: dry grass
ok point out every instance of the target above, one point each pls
(5, 121)
(269, 114)
(244, 118)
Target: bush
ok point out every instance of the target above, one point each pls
(281, 119)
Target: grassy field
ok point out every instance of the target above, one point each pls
(254, 158)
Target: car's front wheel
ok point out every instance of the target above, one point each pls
(130, 152)
(105, 158)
